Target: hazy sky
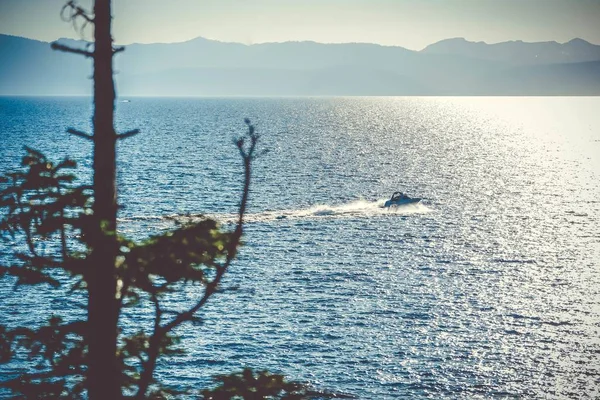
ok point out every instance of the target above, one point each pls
(408, 23)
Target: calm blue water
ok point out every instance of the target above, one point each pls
(489, 289)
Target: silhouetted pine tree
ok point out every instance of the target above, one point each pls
(70, 238)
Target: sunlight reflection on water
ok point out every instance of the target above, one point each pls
(489, 288)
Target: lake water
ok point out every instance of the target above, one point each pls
(488, 289)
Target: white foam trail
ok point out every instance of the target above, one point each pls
(357, 208)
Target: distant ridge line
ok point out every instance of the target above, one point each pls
(575, 39)
(204, 67)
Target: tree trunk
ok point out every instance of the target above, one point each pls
(103, 314)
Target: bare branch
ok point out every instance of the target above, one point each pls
(67, 49)
(248, 156)
(81, 134)
(128, 134)
(118, 49)
(80, 12)
(212, 286)
(71, 12)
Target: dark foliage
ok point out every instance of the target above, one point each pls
(44, 207)
(249, 385)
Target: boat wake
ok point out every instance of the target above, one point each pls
(357, 208)
(354, 209)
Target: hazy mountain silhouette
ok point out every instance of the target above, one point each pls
(519, 52)
(206, 67)
(30, 67)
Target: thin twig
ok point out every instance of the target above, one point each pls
(211, 287)
(80, 134)
(128, 134)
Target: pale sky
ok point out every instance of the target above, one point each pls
(408, 23)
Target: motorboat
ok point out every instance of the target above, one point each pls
(400, 199)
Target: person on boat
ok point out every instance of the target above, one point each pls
(397, 196)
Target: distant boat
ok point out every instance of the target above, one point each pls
(125, 101)
(400, 199)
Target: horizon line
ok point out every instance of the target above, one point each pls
(309, 41)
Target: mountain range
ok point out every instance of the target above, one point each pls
(202, 67)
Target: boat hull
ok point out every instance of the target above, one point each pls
(401, 202)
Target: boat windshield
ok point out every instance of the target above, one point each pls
(397, 196)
